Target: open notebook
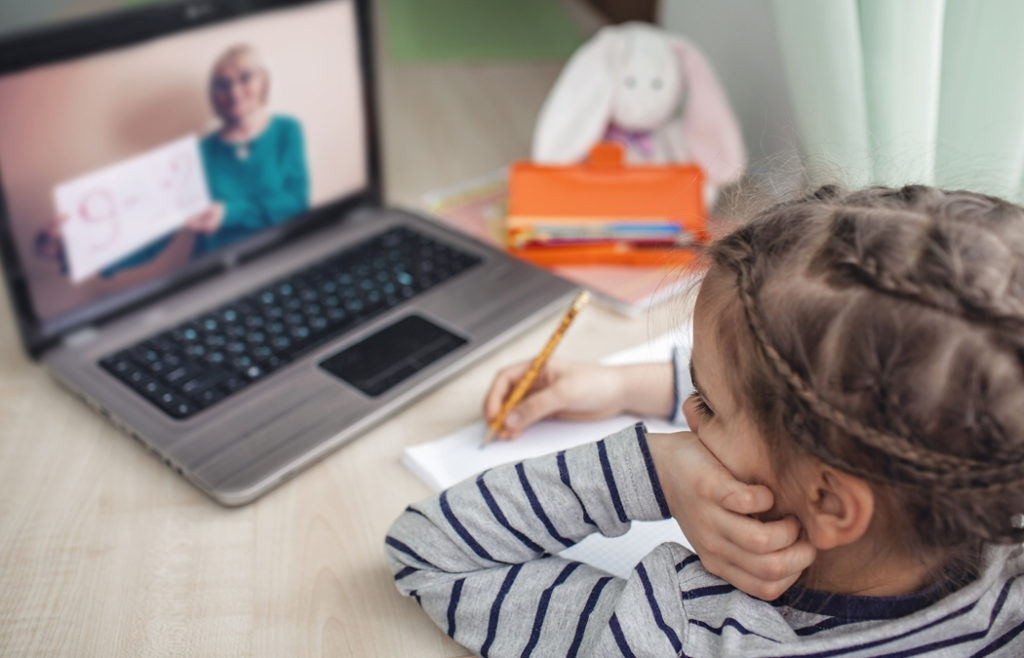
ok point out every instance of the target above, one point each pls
(449, 460)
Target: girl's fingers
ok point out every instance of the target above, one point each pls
(765, 589)
(713, 482)
(508, 377)
(780, 568)
(762, 575)
(501, 387)
(758, 537)
(532, 408)
(744, 498)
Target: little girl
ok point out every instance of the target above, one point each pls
(860, 355)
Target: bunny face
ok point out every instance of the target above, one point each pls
(649, 85)
(634, 76)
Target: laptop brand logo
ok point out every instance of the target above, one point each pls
(197, 11)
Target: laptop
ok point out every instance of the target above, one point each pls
(194, 241)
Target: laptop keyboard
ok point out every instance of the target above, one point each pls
(213, 355)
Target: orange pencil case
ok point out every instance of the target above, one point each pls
(605, 212)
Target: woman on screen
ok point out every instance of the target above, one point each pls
(255, 164)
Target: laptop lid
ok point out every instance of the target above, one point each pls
(144, 149)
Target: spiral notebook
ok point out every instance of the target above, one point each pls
(449, 460)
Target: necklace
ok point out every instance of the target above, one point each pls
(242, 151)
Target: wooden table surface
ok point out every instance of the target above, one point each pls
(104, 551)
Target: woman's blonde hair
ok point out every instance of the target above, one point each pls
(882, 332)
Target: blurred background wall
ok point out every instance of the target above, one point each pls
(741, 42)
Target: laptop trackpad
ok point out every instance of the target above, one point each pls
(392, 355)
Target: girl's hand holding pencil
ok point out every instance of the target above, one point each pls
(533, 370)
(563, 390)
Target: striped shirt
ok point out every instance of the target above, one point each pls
(481, 560)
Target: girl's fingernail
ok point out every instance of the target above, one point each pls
(512, 420)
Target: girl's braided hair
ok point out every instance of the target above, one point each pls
(883, 331)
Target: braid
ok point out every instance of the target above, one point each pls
(937, 468)
(934, 273)
(888, 330)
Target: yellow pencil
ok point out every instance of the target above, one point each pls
(538, 362)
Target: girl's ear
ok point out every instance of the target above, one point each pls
(712, 133)
(838, 507)
(576, 113)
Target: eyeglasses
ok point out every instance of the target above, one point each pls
(225, 83)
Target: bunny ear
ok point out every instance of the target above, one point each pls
(575, 115)
(713, 135)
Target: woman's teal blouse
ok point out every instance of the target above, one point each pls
(261, 184)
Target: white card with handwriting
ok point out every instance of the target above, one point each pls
(108, 213)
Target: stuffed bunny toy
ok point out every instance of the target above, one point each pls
(648, 89)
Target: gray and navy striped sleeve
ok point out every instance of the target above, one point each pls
(480, 557)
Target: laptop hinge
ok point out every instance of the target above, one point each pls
(80, 337)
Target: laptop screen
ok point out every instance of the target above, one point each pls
(124, 168)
